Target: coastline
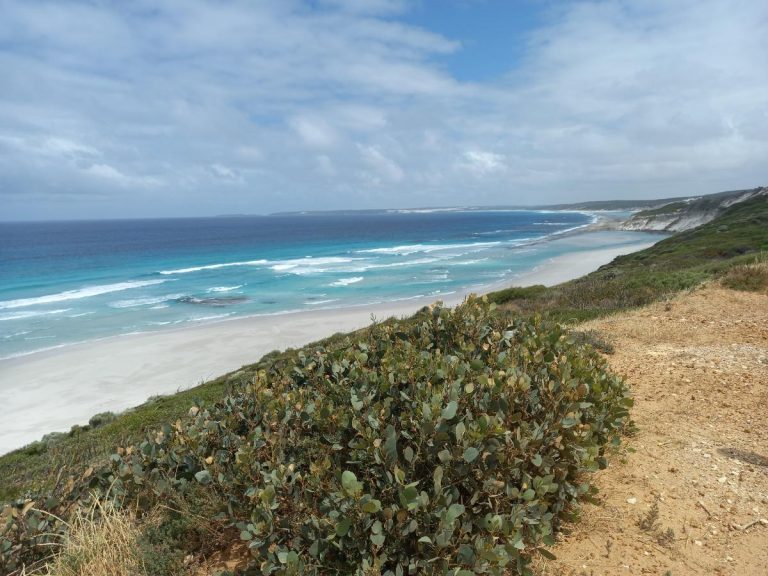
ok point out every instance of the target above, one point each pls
(66, 386)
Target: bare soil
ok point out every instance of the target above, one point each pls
(698, 368)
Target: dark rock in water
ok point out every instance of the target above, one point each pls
(219, 301)
(269, 301)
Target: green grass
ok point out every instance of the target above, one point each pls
(37, 466)
(672, 208)
(736, 238)
(721, 248)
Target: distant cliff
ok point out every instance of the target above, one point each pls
(687, 213)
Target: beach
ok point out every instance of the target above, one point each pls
(53, 390)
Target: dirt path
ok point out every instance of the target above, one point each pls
(698, 367)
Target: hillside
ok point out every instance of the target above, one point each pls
(251, 451)
(688, 213)
(682, 261)
(650, 210)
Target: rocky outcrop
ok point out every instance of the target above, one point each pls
(688, 213)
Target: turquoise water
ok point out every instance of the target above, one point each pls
(66, 282)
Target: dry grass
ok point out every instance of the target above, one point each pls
(101, 540)
(748, 277)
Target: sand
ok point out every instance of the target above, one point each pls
(53, 390)
(698, 369)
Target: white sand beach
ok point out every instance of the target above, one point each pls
(53, 390)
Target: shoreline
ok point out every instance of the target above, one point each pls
(123, 371)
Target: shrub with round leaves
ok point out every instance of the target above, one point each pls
(451, 443)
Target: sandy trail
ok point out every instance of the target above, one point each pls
(698, 367)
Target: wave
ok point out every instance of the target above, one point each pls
(309, 265)
(133, 302)
(346, 281)
(21, 333)
(417, 262)
(424, 210)
(220, 301)
(30, 314)
(318, 302)
(468, 262)
(223, 288)
(214, 267)
(408, 249)
(214, 317)
(78, 294)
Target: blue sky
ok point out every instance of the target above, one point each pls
(201, 107)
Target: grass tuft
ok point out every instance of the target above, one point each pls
(101, 540)
(748, 277)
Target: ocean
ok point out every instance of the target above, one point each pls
(68, 282)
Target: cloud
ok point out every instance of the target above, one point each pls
(382, 167)
(314, 132)
(335, 103)
(224, 173)
(480, 162)
(111, 174)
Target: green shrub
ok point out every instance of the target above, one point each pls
(451, 443)
(101, 419)
(516, 293)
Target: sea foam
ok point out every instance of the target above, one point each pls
(214, 267)
(346, 281)
(408, 249)
(78, 294)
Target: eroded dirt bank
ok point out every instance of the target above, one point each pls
(698, 366)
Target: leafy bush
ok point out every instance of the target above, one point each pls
(452, 443)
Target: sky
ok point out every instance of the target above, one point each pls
(152, 108)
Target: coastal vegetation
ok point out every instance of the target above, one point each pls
(455, 441)
(737, 238)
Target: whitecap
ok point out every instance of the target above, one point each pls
(408, 249)
(146, 301)
(31, 314)
(346, 281)
(214, 266)
(224, 288)
(78, 294)
(305, 266)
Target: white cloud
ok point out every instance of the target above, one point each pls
(109, 173)
(325, 165)
(344, 104)
(481, 162)
(314, 132)
(383, 168)
(224, 173)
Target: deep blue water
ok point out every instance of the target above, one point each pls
(64, 282)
